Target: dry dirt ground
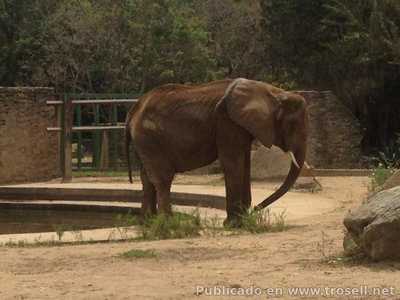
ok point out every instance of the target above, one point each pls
(308, 254)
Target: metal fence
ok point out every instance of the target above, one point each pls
(69, 115)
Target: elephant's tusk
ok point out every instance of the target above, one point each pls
(293, 159)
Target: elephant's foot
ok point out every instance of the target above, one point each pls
(233, 222)
(146, 215)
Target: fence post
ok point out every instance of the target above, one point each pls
(96, 139)
(67, 139)
(113, 146)
(79, 148)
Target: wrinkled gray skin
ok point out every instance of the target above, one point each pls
(176, 128)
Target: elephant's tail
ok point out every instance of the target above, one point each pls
(128, 140)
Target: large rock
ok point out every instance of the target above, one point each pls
(273, 163)
(375, 225)
(269, 163)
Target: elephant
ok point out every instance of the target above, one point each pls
(180, 127)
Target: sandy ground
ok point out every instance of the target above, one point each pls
(306, 255)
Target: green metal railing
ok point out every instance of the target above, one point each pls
(70, 122)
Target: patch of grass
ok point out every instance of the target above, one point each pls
(125, 220)
(25, 244)
(258, 221)
(213, 225)
(60, 230)
(330, 256)
(176, 226)
(77, 234)
(137, 253)
(379, 176)
(123, 223)
(325, 246)
(344, 259)
(54, 243)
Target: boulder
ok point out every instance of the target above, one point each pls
(375, 225)
(269, 163)
(349, 245)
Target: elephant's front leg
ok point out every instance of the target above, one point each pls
(234, 208)
(246, 196)
(234, 155)
(238, 196)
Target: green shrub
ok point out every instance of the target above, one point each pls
(379, 176)
(258, 221)
(175, 226)
(125, 220)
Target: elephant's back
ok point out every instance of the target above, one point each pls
(181, 120)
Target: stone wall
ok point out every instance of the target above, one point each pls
(27, 151)
(335, 133)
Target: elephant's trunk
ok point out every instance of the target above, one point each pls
(291, 178)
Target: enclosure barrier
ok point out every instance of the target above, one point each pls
(35, 194)
(65, 113)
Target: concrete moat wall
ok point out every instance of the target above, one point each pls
(27, 151)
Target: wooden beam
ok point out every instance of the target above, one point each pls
(94, 101)
(54, 102)
(67, 140)
(88, 128)
(96, 128)
(104, 101)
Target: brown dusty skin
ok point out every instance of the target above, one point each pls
(294, 258)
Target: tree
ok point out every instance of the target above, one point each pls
(361, 53)
(125, 46)
(236, 40)
(292, 37)
(20, 44)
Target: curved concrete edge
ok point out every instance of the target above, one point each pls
(69, 206)
(79, 199)
(77, 236)
(35, 198)
(104, 195)
(70, 237)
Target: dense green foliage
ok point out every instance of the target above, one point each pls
(349, 46)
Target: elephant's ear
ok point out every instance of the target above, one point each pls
(251, 105)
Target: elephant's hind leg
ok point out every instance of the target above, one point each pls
(163, 196)
(160, 174)
(149, 204)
